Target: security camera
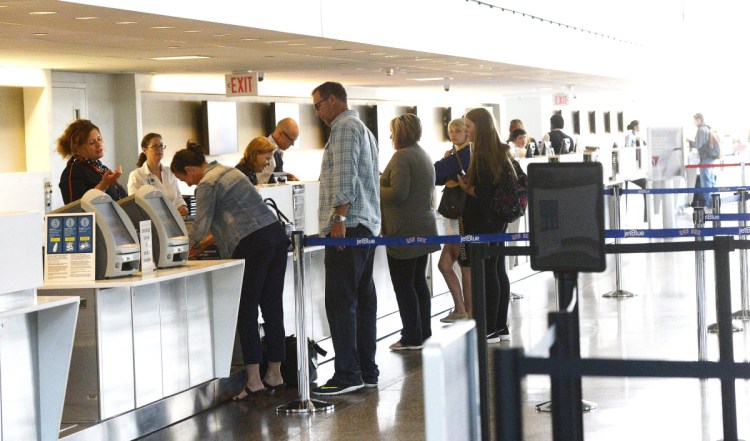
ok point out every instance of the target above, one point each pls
(261, 76)
(447, 87)
(389, 72)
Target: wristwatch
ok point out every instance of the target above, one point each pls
(339, 218)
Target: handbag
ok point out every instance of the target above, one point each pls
(511, 195)
(289, 366)
(454, 198)
(283, 220)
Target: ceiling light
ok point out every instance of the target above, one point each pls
(40, 34)
(42, 13)
(249, 39)
(192, 32)
(377, 53)
(428, 79)
(87, 18)
(162, 27)
(275, 41)
(297, 44)
(173, 47)
(322, 47)
(125, 22)
(181, 57)
(220, 35)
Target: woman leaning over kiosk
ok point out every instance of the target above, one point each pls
(489, 161)
(243, 226)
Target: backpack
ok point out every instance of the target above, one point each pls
(511, 195)
(713, 149)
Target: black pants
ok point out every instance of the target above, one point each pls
(265, 254)
(352, 307)
(413, 297)
(500, 296)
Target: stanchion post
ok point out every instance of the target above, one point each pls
(700, 288)
(618, 292)
(508, 410)
(744, 313)
(478, 252)
(722, 246)
(716, 209)
(304, 404)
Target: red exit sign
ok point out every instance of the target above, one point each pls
(244, 84)
(561, 99)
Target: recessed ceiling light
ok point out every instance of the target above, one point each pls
(162, 27)
(87, 18)
(275, 41)
(392, 56)
(125, 22)
(220, 35)
(249, 39)
(40, 34)
(173, 47)
(358, 52)
(322, 47)
(429, 79)
(377, 53)
(192, 32)
(297, 44)
(42, 13)
(181, 57)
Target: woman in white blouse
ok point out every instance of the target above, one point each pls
(150, 171)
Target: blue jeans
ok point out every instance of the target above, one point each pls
(708, 179)
(352, 306)
(413, 297)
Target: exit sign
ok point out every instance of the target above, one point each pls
(244, 84)
(561, 99)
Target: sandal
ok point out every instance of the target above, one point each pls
(272, 389)
(249, 394)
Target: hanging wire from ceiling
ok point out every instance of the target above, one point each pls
(553, 22)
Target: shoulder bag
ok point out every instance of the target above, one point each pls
(454, 198)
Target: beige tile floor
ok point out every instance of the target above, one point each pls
(659, 323)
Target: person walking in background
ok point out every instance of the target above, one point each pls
(490, 160)
(447, 172)
(407, 188)
(349, 206)
(284, 135)
(83, 145)
(151, 171)
(708, 150)
(231, 212)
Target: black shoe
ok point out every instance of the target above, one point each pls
(371, 383)
(249, 394)
(272, 389)
(334, 387)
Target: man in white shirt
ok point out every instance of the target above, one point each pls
(283, 137)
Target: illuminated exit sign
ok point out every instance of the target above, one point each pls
(561, 99)
(244, 84)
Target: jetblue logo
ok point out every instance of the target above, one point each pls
(469, 238)
(712, 217)
(411, 240)
(744, 230)
(365, 241)
(635, 233)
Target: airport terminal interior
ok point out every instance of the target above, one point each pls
(119, 352)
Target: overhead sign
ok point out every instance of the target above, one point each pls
(242, 84)
(561, 99)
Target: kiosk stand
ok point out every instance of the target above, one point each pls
(566, 226)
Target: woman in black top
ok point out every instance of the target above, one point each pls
(490, 160)
(257, 156)
(82, 143)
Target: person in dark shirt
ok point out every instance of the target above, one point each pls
(83, 146)
(257, 156)
(560, 142)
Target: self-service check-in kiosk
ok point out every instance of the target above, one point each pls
(118, 252)
(170, 236)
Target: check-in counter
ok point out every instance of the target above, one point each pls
(147, 347)
(36, 336)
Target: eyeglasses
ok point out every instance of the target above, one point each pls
(292, 140)
(159, 147)
(320, 103)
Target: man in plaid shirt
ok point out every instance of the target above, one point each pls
(349, 206)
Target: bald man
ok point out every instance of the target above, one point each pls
(283, 137)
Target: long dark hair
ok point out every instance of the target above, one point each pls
(190, 156)
(489, 152)
(144, 145)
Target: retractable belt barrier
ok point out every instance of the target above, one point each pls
(609, 191)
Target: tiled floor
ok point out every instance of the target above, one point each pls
(659, 323)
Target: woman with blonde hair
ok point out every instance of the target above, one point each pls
(447, 171)
(490, 162)
(257, 156)
(407, 186)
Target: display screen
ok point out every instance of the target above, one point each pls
(108, 214)
(566, 217)
(166, 217)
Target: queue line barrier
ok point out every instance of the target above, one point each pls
(483, 246)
